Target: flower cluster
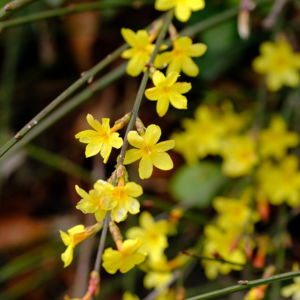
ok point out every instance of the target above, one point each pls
(279, 63)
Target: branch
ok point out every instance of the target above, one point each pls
(245, 285)
(58, 12)
(12, 6)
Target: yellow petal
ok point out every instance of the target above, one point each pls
(92, 149)
(135, 139)
(81, 192)
(163, 59)
(182, 87)
(119, 214)
(182, 12)
(162, 106)
(158, 77)
(152, 93)
(116, 141)
(164, 4)
(145, 167)
(133, 206)
(132, 155)
(152, 134)
(129, 36)
(171, 78)
(162, 161)
(93, 122)
(133, 189)
(196, 4)
(105, 152)
(197, 49)
(135, 65)
(189, 67)
(67, 256)
(146, 220)
(65, 238)
(178, 101)
(86, 136)
(164, 146)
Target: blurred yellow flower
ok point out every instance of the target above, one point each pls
(149, 151)
(98, 201)
(166, 91)
(222, 244)
(152, 234)
(239, 155)
(279, 63)
(292, 290)
(140, 51)
(73, 237)
(123, 259)
(125, 195)
(156, 279)
(280, 182)
(100, 140)
(129, 296)
(275, 140)
(183, 8)
(179, 58)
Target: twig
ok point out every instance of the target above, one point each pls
(245, 285)
(12, 6)
(272, 18)
(68, 106)
(221, 260)
(70, 9)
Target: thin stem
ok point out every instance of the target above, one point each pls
(87, 76)
(221, 260)
(12, 6)
(245, 286)
(70, 9)
(140, 93)
(67, 107)
(101, 246)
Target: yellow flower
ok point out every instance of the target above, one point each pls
(125, 200)
(152, 234)
(154, 279)
(235, 214)
(140, 51)
(129, 296)
(123, 259)
(98, 201)
(73, 237)
(166, 91)
(222, 244)
(179, 58)
(292, 290)
(183, 8)
(239, 155)
(101, 139)
(281, 182)
(274, 141)
(279, 63)
(149, 151)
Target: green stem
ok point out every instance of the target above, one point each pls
(101, 246)
(87, 76)
(245, 286)
(67, 107)
(59, 163)
(12, 6)
(70, 9)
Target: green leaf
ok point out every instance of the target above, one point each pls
(196, 185)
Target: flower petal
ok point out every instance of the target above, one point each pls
(129, 36)
(162, 161)
(92, 149)
(135, 139)
(145, 167)
(158, 77)
(152, 93)
(165, 146)
(133, 189)
(178, 101)
(162, 106)
(152, 134)
(132, 155)
(189, 67)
